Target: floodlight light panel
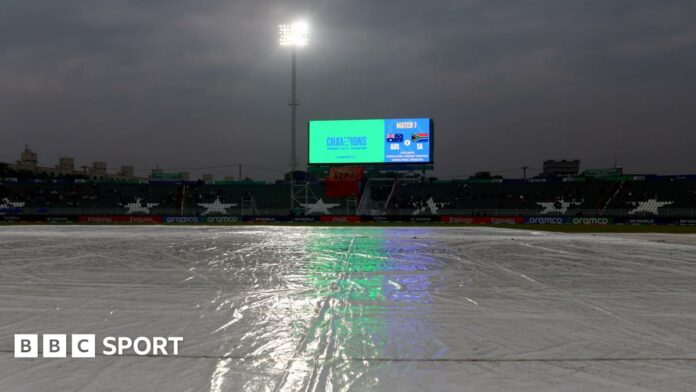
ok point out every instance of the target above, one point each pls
(295, 34)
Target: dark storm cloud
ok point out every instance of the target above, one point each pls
(202, 83)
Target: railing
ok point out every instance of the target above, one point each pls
(236, 211)
(664, 212)
(68, 211)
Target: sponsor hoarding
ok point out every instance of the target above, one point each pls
(182, 220)
(231, 219)
(38, 218)
(483, 220)
(340, 218)
(602, 220)
(568, 220)
(221, 219)
(148, 219)
(546, 220)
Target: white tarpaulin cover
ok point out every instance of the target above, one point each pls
(334, 308)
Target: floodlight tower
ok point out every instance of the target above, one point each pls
(294, 35)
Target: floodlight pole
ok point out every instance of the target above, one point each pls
(293, 104)
(293, 122)
(293, 35)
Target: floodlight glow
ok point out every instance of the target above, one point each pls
(295, 34)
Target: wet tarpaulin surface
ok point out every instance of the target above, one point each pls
(318, 308)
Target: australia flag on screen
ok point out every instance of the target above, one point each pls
(420, 137)
(395, 137)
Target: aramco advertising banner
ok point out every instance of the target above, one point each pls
(375, 141)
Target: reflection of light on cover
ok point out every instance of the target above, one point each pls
(354, 280)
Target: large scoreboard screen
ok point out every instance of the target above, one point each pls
(392, 141)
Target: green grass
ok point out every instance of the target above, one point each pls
(550, 228)
(606, 229)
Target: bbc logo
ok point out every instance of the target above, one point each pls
(84, 345)
(54, 346)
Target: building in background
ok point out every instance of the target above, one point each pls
(562, 168)
(29, 162)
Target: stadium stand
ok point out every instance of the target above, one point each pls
(621, 196)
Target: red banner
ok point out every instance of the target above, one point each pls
(343, 181)
(340, 218)
(483, 220)
(120, 219)
(346, 173)
(342, 188)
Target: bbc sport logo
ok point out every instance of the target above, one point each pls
(84, 346)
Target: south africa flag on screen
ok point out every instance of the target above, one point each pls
(420, 137)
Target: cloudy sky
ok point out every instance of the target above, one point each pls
(198, 83)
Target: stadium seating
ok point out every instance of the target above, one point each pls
(628, 196)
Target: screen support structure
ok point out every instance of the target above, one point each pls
(300, 194)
